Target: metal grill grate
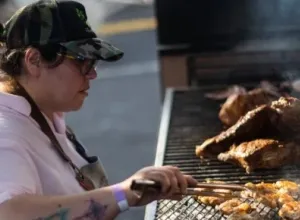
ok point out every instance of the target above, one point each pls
(193, 119)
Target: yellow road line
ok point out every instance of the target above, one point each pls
(126, 26)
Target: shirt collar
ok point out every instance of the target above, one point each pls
(15, 102)
(21, 105)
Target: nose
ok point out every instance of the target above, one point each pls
(92, 74)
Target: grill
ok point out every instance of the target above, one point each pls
(188, 118)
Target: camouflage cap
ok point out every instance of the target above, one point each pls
(57, 22)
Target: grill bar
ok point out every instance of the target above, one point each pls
(187, 120)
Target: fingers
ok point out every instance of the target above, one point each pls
(174, 183)
(167, 179)
(164, 179)
(191, 181)
(181, 182)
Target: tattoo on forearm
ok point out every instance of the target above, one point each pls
(62, 214)
(95, 211)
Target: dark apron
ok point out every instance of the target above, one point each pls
(94, 169)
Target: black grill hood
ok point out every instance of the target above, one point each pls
(222, 24)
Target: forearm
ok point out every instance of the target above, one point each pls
(97, 204)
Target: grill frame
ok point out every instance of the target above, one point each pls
(163, 134)
(151, 208)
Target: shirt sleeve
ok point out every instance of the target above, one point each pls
(18, 174)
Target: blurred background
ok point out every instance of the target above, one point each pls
(120, 118)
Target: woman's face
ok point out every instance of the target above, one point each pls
(65, 87)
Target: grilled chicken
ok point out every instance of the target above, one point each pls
(234, 206)
(262, 153)
(274, 195)
(262, 188)
(265, 193)
(210, 200)
(255, 124)
(288, 187)
(237, 105)
(283, 199)
(246, 216)
(290, 210)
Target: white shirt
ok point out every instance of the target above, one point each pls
(28, 162)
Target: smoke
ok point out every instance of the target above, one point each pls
(270, 19)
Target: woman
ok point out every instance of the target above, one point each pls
(49, 57)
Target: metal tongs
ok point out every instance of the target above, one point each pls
(202, 189)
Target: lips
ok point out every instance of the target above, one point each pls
(85, 90)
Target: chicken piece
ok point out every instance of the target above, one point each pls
(223, 94)
(288, 187)
(265, 193)
(262, 188)
(237, 105)
(210, 200)
(262, 153)
(283, 199)
(271, 194)
(290, 210)
(288, 122)
(234, 206)
(254, 124)
(245, 216)
(269, 200)
(244, 208)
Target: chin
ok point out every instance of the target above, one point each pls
(75, 107)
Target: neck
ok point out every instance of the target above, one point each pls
(39, 101)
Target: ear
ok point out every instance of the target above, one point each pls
(32, 61)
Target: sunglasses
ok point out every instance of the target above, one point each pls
(85, 65)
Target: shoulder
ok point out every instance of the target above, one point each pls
(16, 126)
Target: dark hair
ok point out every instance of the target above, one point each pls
(11, 59)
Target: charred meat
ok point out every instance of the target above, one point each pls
(266, 137)
(237, 105)
(262, 153)
(289, 121)
(255, 124)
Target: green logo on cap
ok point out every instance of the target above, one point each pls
(80, 14)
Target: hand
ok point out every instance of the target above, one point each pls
(171, 179)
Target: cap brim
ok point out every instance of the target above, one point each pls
(94, 48)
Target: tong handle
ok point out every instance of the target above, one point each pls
(150, 185)
(142, 185)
